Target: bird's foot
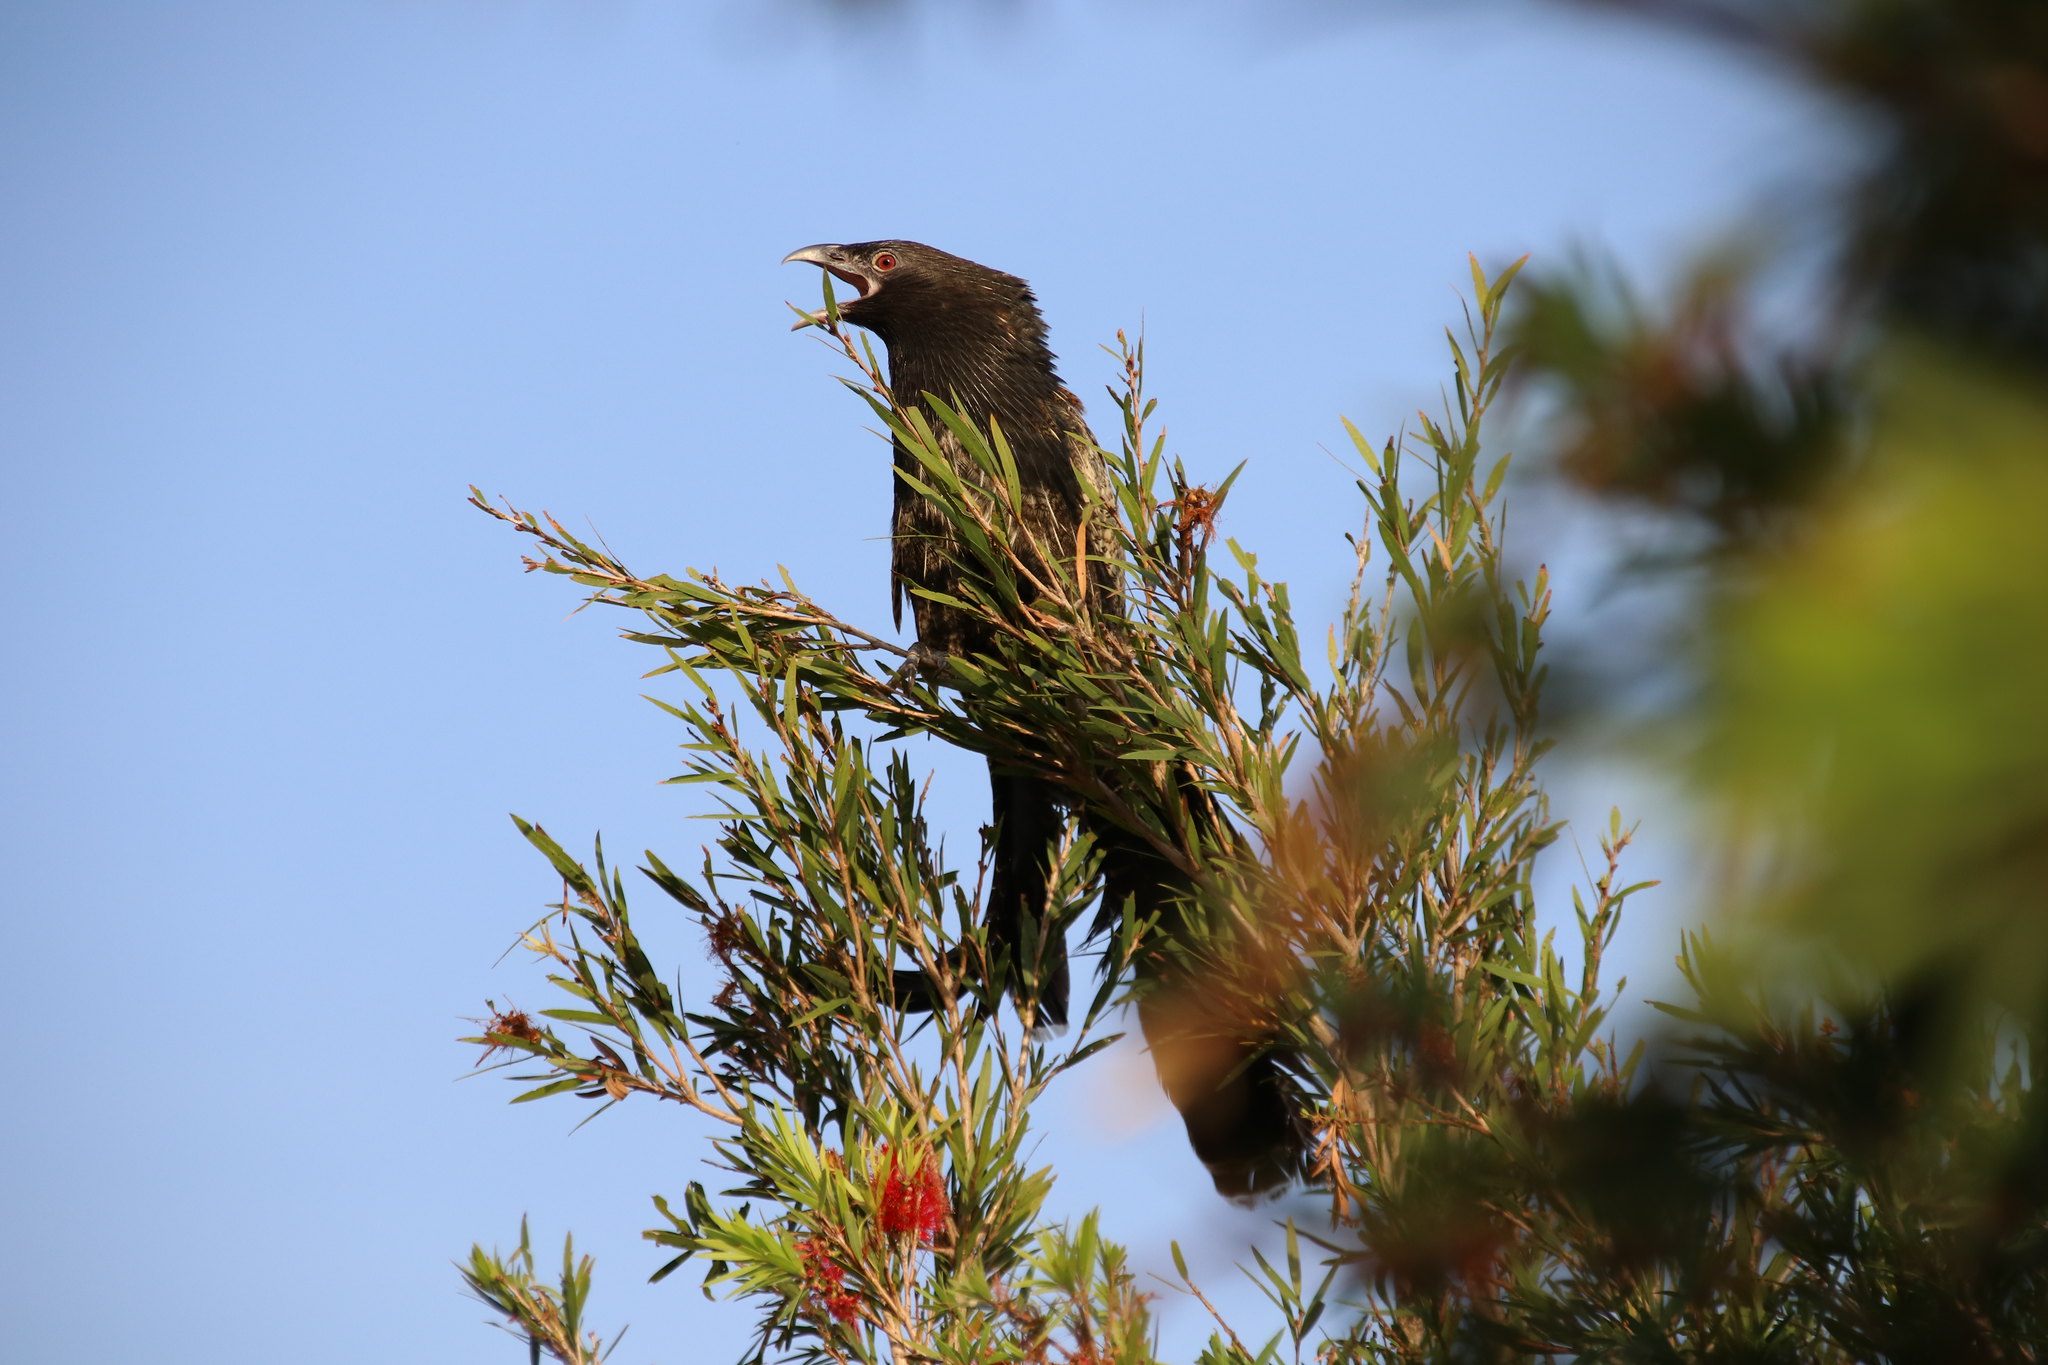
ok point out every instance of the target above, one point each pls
(923, 662)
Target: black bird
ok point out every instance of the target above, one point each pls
(972, 338)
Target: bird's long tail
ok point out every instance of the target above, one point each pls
(1234, 1090)
(1236, 1095)
(1027, 820)
(1028, 824)
(1237, 1100)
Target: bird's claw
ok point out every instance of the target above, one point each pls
(922, 661)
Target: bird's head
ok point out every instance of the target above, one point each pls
(910, 292)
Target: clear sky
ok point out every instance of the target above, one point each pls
(277, 280)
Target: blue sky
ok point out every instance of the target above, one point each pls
(282, 280)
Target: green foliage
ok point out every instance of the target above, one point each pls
(549, 1317)
(1877, 705)
(1837, 1153)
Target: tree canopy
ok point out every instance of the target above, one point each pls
(1835, 1150)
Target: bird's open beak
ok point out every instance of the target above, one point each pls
(836, 259)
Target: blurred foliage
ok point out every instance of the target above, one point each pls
(1939, 230)
(1944, 227)
(1678, 410)
(1878, 696)
(1870, 668)
(1866, 491)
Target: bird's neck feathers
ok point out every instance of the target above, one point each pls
(985, 344)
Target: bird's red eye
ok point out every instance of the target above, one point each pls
(885, 260)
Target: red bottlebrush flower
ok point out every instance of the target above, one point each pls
(935, 1210)
(818, 1262)
(916, 1204)
(827, 1279)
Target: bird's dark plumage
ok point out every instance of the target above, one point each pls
(972, 337)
